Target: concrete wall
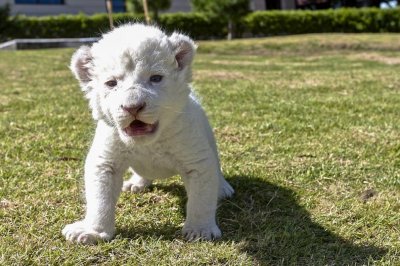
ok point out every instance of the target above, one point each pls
(179, 6)
(185, 6)
(69, 7)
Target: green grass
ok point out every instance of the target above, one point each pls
(308, 129)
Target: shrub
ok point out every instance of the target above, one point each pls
(230, 10)
(338, 20)
(206, 26)
(196, 25)
(199, 26)
(4, 20)
(64, 26)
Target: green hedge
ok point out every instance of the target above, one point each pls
(203, 26)
(198, 26)
(338, 20)
(64, 26)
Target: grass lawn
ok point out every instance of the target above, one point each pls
(308, 129)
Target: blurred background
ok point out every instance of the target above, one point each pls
(55, 7)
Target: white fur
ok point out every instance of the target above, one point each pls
(182, 144)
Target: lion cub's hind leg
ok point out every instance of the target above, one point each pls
(225, 189)
(136, 183)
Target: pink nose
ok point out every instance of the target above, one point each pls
(134, 109)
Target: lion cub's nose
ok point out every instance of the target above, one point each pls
(134, 109)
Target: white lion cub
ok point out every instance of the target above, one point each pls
(136, 79)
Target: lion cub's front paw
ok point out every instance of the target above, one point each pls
(193, 233)
(79, 233)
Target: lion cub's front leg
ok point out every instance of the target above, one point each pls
(102, 188)
(103, 183)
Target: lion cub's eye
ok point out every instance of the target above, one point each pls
(111, 83)
(156, 78)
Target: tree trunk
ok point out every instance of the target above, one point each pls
(230, 30)
(109, 11)
(146, 12)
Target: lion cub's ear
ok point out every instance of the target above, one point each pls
(184, 49)
(81, 64)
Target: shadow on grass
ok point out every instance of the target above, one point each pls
(277, 230)
(271, 227)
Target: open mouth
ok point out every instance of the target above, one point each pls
(140, 128)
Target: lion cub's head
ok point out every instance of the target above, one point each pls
(136, 79)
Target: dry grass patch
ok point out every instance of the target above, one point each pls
(376, 57)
